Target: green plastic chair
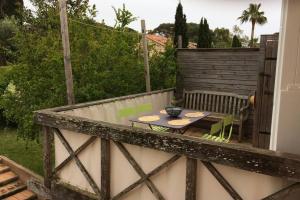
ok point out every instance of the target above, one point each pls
(160, 128)
(214, 130)
(227, 123)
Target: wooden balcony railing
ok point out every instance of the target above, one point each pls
(178, 154)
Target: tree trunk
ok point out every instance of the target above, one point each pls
(252, 34)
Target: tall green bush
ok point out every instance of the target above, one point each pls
(105, 62)
(181, 27)
(204, 35)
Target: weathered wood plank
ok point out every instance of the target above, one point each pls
(191, 179)
(231, 191)
(105, 168)
(251, 159)
(47, 142)
(286, 193)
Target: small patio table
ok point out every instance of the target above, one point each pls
(164, 120)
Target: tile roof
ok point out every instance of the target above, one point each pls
(161, 40)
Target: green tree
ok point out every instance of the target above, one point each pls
(123, 17)
(167, 30)
(8, 29)
(222, 38)
(11, 8)
(163, 68)
(236, 42)
(180, 27)
(204, 35)
(105, 64)
(255, 16)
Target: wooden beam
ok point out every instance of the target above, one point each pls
(105, 168)
(234, 155)
(142, 180)
(231, 191)
(140, 171)
(66, 48)
(146, 54)
(79, 164)
(191, 179)
(76, 153)
(47, 142)
(285, 193)
(179, 41)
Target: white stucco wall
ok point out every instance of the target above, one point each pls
(286, 111)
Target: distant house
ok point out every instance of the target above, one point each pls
(158, 42)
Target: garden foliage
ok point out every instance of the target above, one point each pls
(106, 63)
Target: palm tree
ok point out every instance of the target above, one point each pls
(255, 16)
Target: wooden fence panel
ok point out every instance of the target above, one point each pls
(223, 70)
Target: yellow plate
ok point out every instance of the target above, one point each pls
(179, 122)
(150, 118)
(194, 114)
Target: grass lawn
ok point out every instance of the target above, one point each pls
(26, 153)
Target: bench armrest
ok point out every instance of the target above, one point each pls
(178, 102)
(244, 112)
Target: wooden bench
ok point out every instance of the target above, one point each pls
(220, 104)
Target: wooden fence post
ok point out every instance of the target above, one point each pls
(67, 54)
(47, 142)
(191, 179)
(179, 79)
(105, 168)
(179, 41)
(146, 59)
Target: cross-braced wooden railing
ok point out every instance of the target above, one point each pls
(250, 159)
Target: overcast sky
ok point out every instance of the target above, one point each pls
(219, 13)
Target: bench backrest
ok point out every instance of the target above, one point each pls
(218, 102)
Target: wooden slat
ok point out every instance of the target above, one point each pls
(23, 195)
(198, 101)
(140, 171)
(105, 168)
(11, 189)
(226, 104)
(187, 96)
(285, 193)
(213, 103)
(238, 107)
(3, 168)
(231, 191)
(7, 177)
(191, 179)
(202, 102)
(47, 142)
(191, 101)
(230, 106)
(218, 103)
(194, 101)
(205, 102)
(210, 102)
(234, 106)
(222, 104)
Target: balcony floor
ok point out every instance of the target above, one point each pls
(196, 132)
